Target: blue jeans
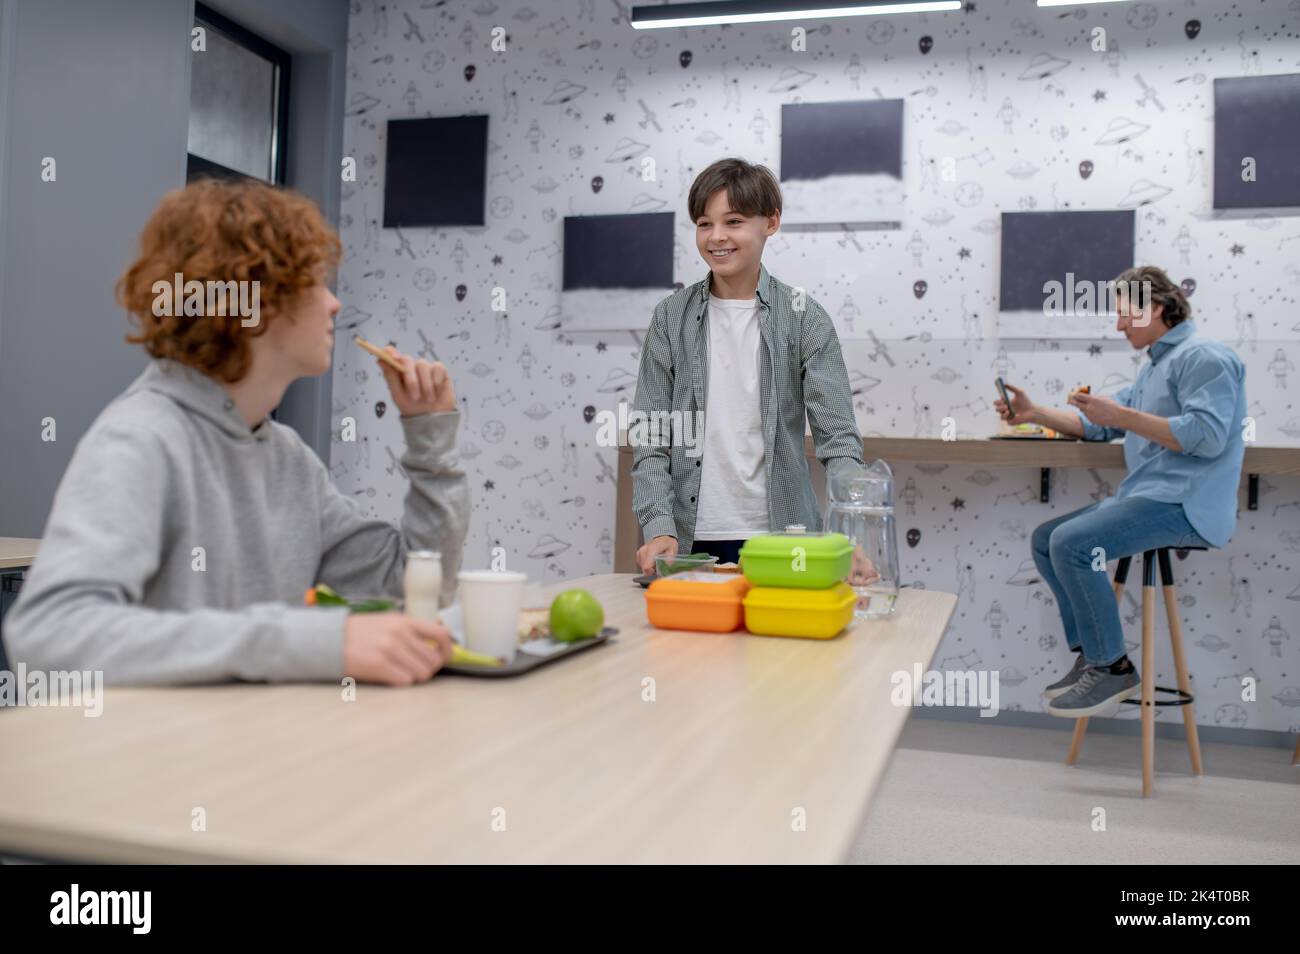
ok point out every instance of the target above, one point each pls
(1063, 553)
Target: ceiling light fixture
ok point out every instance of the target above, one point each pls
(718, 12)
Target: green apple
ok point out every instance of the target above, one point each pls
(576, 614)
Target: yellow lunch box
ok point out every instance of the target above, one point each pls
(813, 614)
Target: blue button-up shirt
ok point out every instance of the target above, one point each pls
(1200, 386)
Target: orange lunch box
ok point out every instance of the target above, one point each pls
(707, 602)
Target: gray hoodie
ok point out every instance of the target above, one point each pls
(170, 466)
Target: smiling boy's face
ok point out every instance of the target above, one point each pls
(732, 243)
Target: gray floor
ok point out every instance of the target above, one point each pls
(964, 793)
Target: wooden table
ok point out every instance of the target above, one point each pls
(17, 552)
(744, 733)
(16, 555)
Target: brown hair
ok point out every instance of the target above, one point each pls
(751, 189)
(224, 231)
(1163, 292)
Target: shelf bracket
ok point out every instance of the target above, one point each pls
(1252, 491)
(1045, 485)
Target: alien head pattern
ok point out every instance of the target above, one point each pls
(1010, 109)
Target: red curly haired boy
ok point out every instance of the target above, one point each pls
(189, 523)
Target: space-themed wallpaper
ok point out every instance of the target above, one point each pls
(1007, 107)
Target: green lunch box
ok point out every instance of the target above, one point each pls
(806, 561)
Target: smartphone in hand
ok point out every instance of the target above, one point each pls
(1002, 390)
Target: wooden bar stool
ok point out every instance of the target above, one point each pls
(1183, 694)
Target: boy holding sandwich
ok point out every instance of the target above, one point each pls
(189, 524)
(1181, 421)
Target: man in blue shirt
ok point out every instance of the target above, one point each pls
(1182, 422)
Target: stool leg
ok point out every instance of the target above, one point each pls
(1184, 683)
(1121, 577)
(1080, 727)
(1295, 756)
(1148, 673)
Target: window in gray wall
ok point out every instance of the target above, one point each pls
(238, 88)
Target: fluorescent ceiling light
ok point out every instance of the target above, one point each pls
(714, 12)
(1074, 3)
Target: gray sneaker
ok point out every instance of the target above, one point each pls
(1097, 692)
(1066, 682)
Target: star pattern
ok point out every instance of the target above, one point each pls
(985, 54)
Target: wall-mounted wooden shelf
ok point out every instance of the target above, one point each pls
(1041, 454)
(1032, 453)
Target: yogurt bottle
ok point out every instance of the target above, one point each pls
(422, 584)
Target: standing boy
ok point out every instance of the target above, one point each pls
(761, 356)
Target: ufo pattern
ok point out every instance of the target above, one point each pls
(1008, 109)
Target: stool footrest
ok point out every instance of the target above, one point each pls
(1184, 698)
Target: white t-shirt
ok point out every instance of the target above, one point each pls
(733, 482)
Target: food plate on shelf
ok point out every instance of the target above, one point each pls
(1027, 432)
(1036, 432)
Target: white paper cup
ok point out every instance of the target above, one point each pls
(490, 602)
